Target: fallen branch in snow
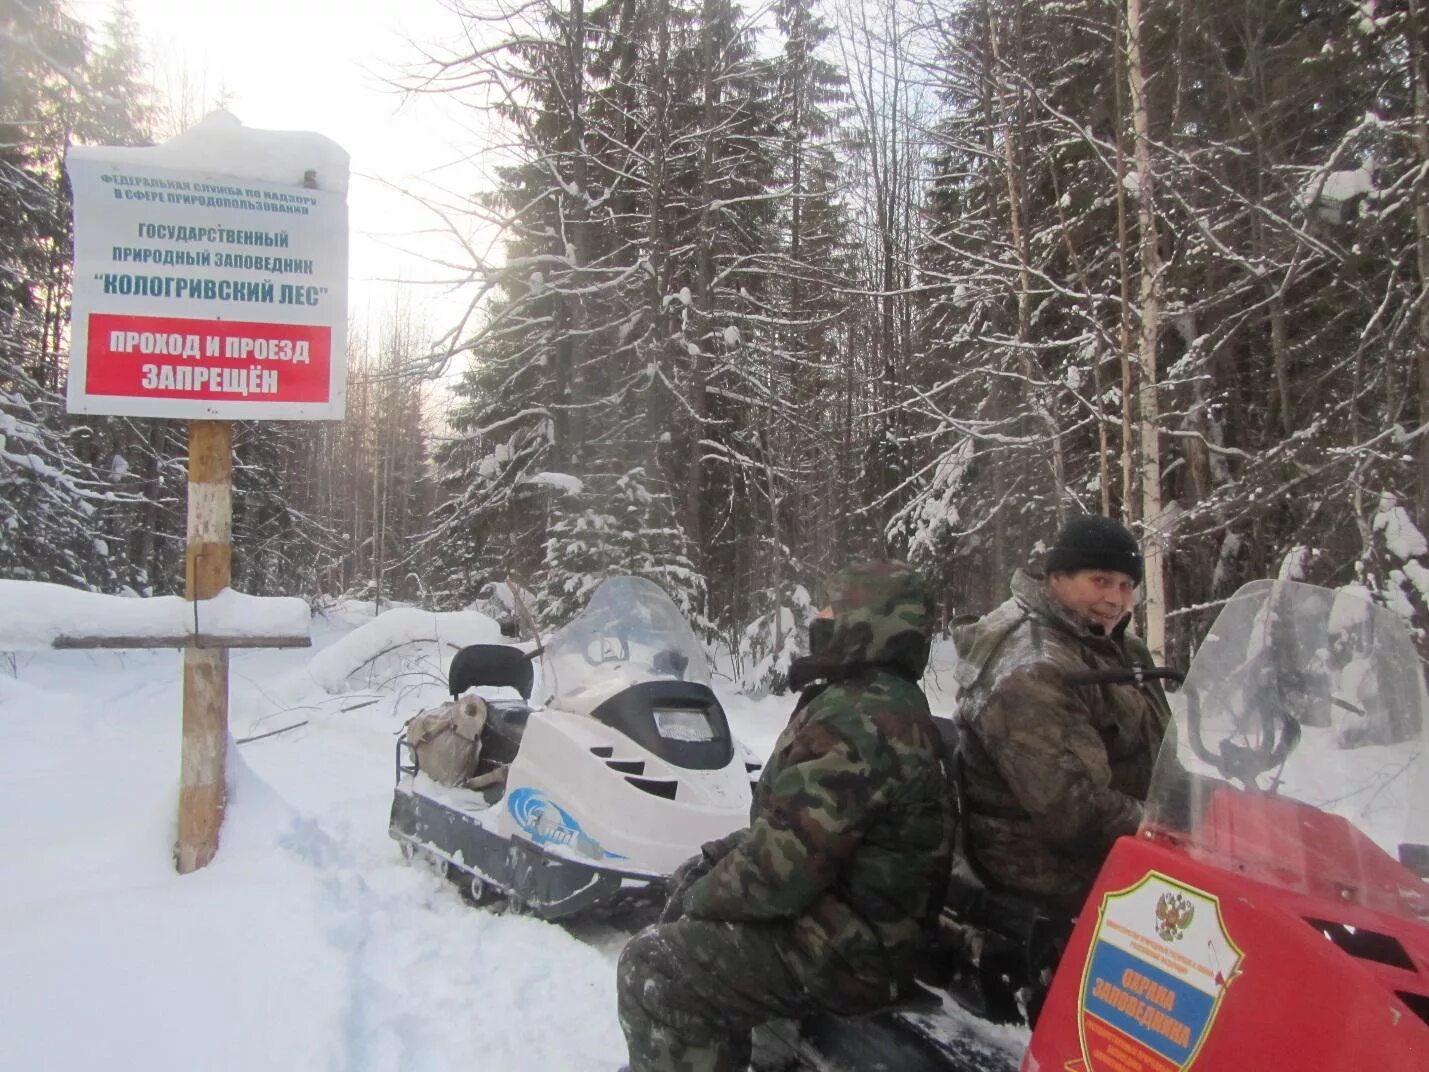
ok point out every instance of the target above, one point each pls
(273, 733)
(385, 651)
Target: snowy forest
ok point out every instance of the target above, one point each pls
(788, 285)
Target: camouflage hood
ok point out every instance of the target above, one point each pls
(883, 616)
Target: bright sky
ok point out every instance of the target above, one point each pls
(323, 65)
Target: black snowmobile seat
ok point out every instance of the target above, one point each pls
(490, 665)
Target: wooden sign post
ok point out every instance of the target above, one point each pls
(207, 566)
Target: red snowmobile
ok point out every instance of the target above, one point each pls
(1272, 912)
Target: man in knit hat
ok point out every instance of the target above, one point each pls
(1054, 771)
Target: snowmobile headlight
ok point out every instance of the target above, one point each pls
(683, 724)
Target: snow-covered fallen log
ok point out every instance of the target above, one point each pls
(397, 629)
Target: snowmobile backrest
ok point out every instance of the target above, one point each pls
(491, 665)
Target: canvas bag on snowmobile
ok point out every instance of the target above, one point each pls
(446, 740)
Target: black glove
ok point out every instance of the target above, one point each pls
(715, 851)
(683, 877)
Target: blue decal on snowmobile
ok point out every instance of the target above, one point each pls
(547, 823)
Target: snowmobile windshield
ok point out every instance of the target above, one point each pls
(1298, 755)
(631, 631)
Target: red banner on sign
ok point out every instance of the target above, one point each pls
(228, 360)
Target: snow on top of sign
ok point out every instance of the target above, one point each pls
(37, 613)
(221, 145)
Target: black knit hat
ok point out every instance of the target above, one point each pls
(1095, 542)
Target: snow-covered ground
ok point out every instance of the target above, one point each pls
(309, 943)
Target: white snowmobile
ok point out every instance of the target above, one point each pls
(625, 770)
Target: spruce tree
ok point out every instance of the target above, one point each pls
(55, 503)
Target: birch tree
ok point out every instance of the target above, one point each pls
(1149, 314)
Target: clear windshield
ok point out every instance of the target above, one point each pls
(631, 631)
(1302, 695)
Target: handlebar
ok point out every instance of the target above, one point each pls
(1126, 675)
(1242, 762)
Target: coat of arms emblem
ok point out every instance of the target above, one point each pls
(1174, 913)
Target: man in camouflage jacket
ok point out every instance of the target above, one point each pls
(825, 901)
(1052, 771)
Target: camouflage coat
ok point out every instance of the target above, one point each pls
(1052, 772)
(850, 835)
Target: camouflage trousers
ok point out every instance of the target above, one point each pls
(691, 991)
